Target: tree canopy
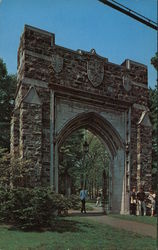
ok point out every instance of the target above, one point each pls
(78, 168)
(153, 105)
(7, 92)
(154, 61)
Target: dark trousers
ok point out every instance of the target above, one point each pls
(133, 209)
(83, 205)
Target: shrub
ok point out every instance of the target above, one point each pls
(32, 208)
(15, 172)
(75, 202)
(6, 205)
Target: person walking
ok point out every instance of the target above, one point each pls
(98, 202)
(141, 197)
(152, 197)
(83, 196)
(133, 201)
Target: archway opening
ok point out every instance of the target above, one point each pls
(84, 162)
(110, 137)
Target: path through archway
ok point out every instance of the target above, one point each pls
(110, 138)
(85, 162)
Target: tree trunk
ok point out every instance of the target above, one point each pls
(92, 190)
(95, 188)
(104, 192)
(67, 185)
(82, 180)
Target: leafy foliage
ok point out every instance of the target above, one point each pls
(154, 61)
(7, 92)
(70, 154)
(77, 168)
(75, 201)
(153, 104)
(32, 208)
(97, 161)
(15, 172)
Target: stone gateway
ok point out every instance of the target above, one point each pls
(60, 90)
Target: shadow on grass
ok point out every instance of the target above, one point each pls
(61, 226)
(88, 214)
(58, 225)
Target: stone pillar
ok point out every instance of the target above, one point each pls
(52, 120)
(54, 154)
(31, 133)
(118, 183)
(144, 151)
(110, 185)
(56, 166)
(127, 161)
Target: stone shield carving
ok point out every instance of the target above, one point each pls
(127, 82)
(95, 70)
(57, 63)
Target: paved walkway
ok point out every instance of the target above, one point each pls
(132, 226)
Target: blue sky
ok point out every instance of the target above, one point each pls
(82, 24)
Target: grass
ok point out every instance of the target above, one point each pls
(143, 219)
(89, 206)
(74, 233)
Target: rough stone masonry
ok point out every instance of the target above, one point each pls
(60, 90)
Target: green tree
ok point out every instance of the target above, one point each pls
(7, 92)
(153, 105)
(70, 155)
(15, 172)
(153, 116)
(77, 168)
(97, 162)
(154, 61)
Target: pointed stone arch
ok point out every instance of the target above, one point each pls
(98, 125)
(113, 143)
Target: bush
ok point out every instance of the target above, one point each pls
(75, 202)
(6, 205)
(32, 208)
(15, 172)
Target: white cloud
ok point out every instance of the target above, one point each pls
(0, 1)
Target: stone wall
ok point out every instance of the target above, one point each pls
(31, 137)
(86, 78)
(14, 139)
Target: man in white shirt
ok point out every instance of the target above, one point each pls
(83, 196)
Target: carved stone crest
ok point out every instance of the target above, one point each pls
(95, 70)
(127, 82)
(57, 63)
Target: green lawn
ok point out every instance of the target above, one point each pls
(143, 219)
(74, 233)
(89, 207)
